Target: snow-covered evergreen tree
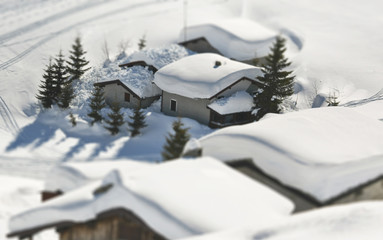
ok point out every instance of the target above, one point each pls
(77, 64)
(138, 122)
(46, 91)
(97, 103)
(66, 96)
(60, 75)
(278, 83)
(116, 120)
(175, 142)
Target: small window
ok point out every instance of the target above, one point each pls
(173, 105)
(127, 97)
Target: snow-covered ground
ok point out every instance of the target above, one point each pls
(351, 222)
(334, 47)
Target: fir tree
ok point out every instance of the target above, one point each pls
(77, 65)
(72, 120)
(59, 75)
(97, 103)
(116, 119)
(138, 122)
(142, 43)
(175, 142)
(278, 84)
(66, 96)
(46, 92)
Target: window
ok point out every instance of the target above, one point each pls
(127, 97)
(173, 105)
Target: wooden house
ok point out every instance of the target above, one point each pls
(172, 200)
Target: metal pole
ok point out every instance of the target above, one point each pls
(185, 19)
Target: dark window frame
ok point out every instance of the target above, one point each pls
(127, 97)
(173, 105)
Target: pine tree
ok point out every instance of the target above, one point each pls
(97, 103)
(77, 64)
(72, 120)
(60, 75)
(142, 43)
(278, 84)
(175, 142)
(138, 122)
(46, 92)
(66, 96)
(116, 119)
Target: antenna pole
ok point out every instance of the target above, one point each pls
(185, 19)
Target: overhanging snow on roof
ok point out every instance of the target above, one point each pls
(203, 75)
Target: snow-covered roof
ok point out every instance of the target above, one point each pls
(333, 149)
(137, 78)
(203, 75)
(351, 222)
(176, 199)
(241, 39)
(158, 57)
(238, 102)
(68, 176)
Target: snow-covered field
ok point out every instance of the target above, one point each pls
(334, 47)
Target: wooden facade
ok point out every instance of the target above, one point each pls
(114, 224)
(218, 121)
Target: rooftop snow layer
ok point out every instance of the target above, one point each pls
(238, 102)
(240, 39)
(72, 175)
(333, 149)
(176, 199)
(351, 222)
(158, 57)
(202, 75)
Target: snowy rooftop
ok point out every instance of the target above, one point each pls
(69, 176)
(158, 57)
(176, 199)
(240, 39)
(351, 222)
(202, 75)
(333, 149)
(238, 102)
(138, 78)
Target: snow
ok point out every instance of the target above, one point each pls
(197, 76)
(238, 102)
(238, 38)
(158, 57)
(69, 176)
(16, 195)
(351, 222)
(177, 199)
(333, 149)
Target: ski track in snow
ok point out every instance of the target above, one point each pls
(376, 97)
(21, 55)
(8, 119)
(32, 26)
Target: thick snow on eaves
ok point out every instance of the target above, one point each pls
(176, 199)
(333, 149)
(158, 57)
(238, 102)
(240, 39)
(68, 176)
(351, 222)
(197, 76)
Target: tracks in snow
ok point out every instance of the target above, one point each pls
(8, 119)
(21, 55)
